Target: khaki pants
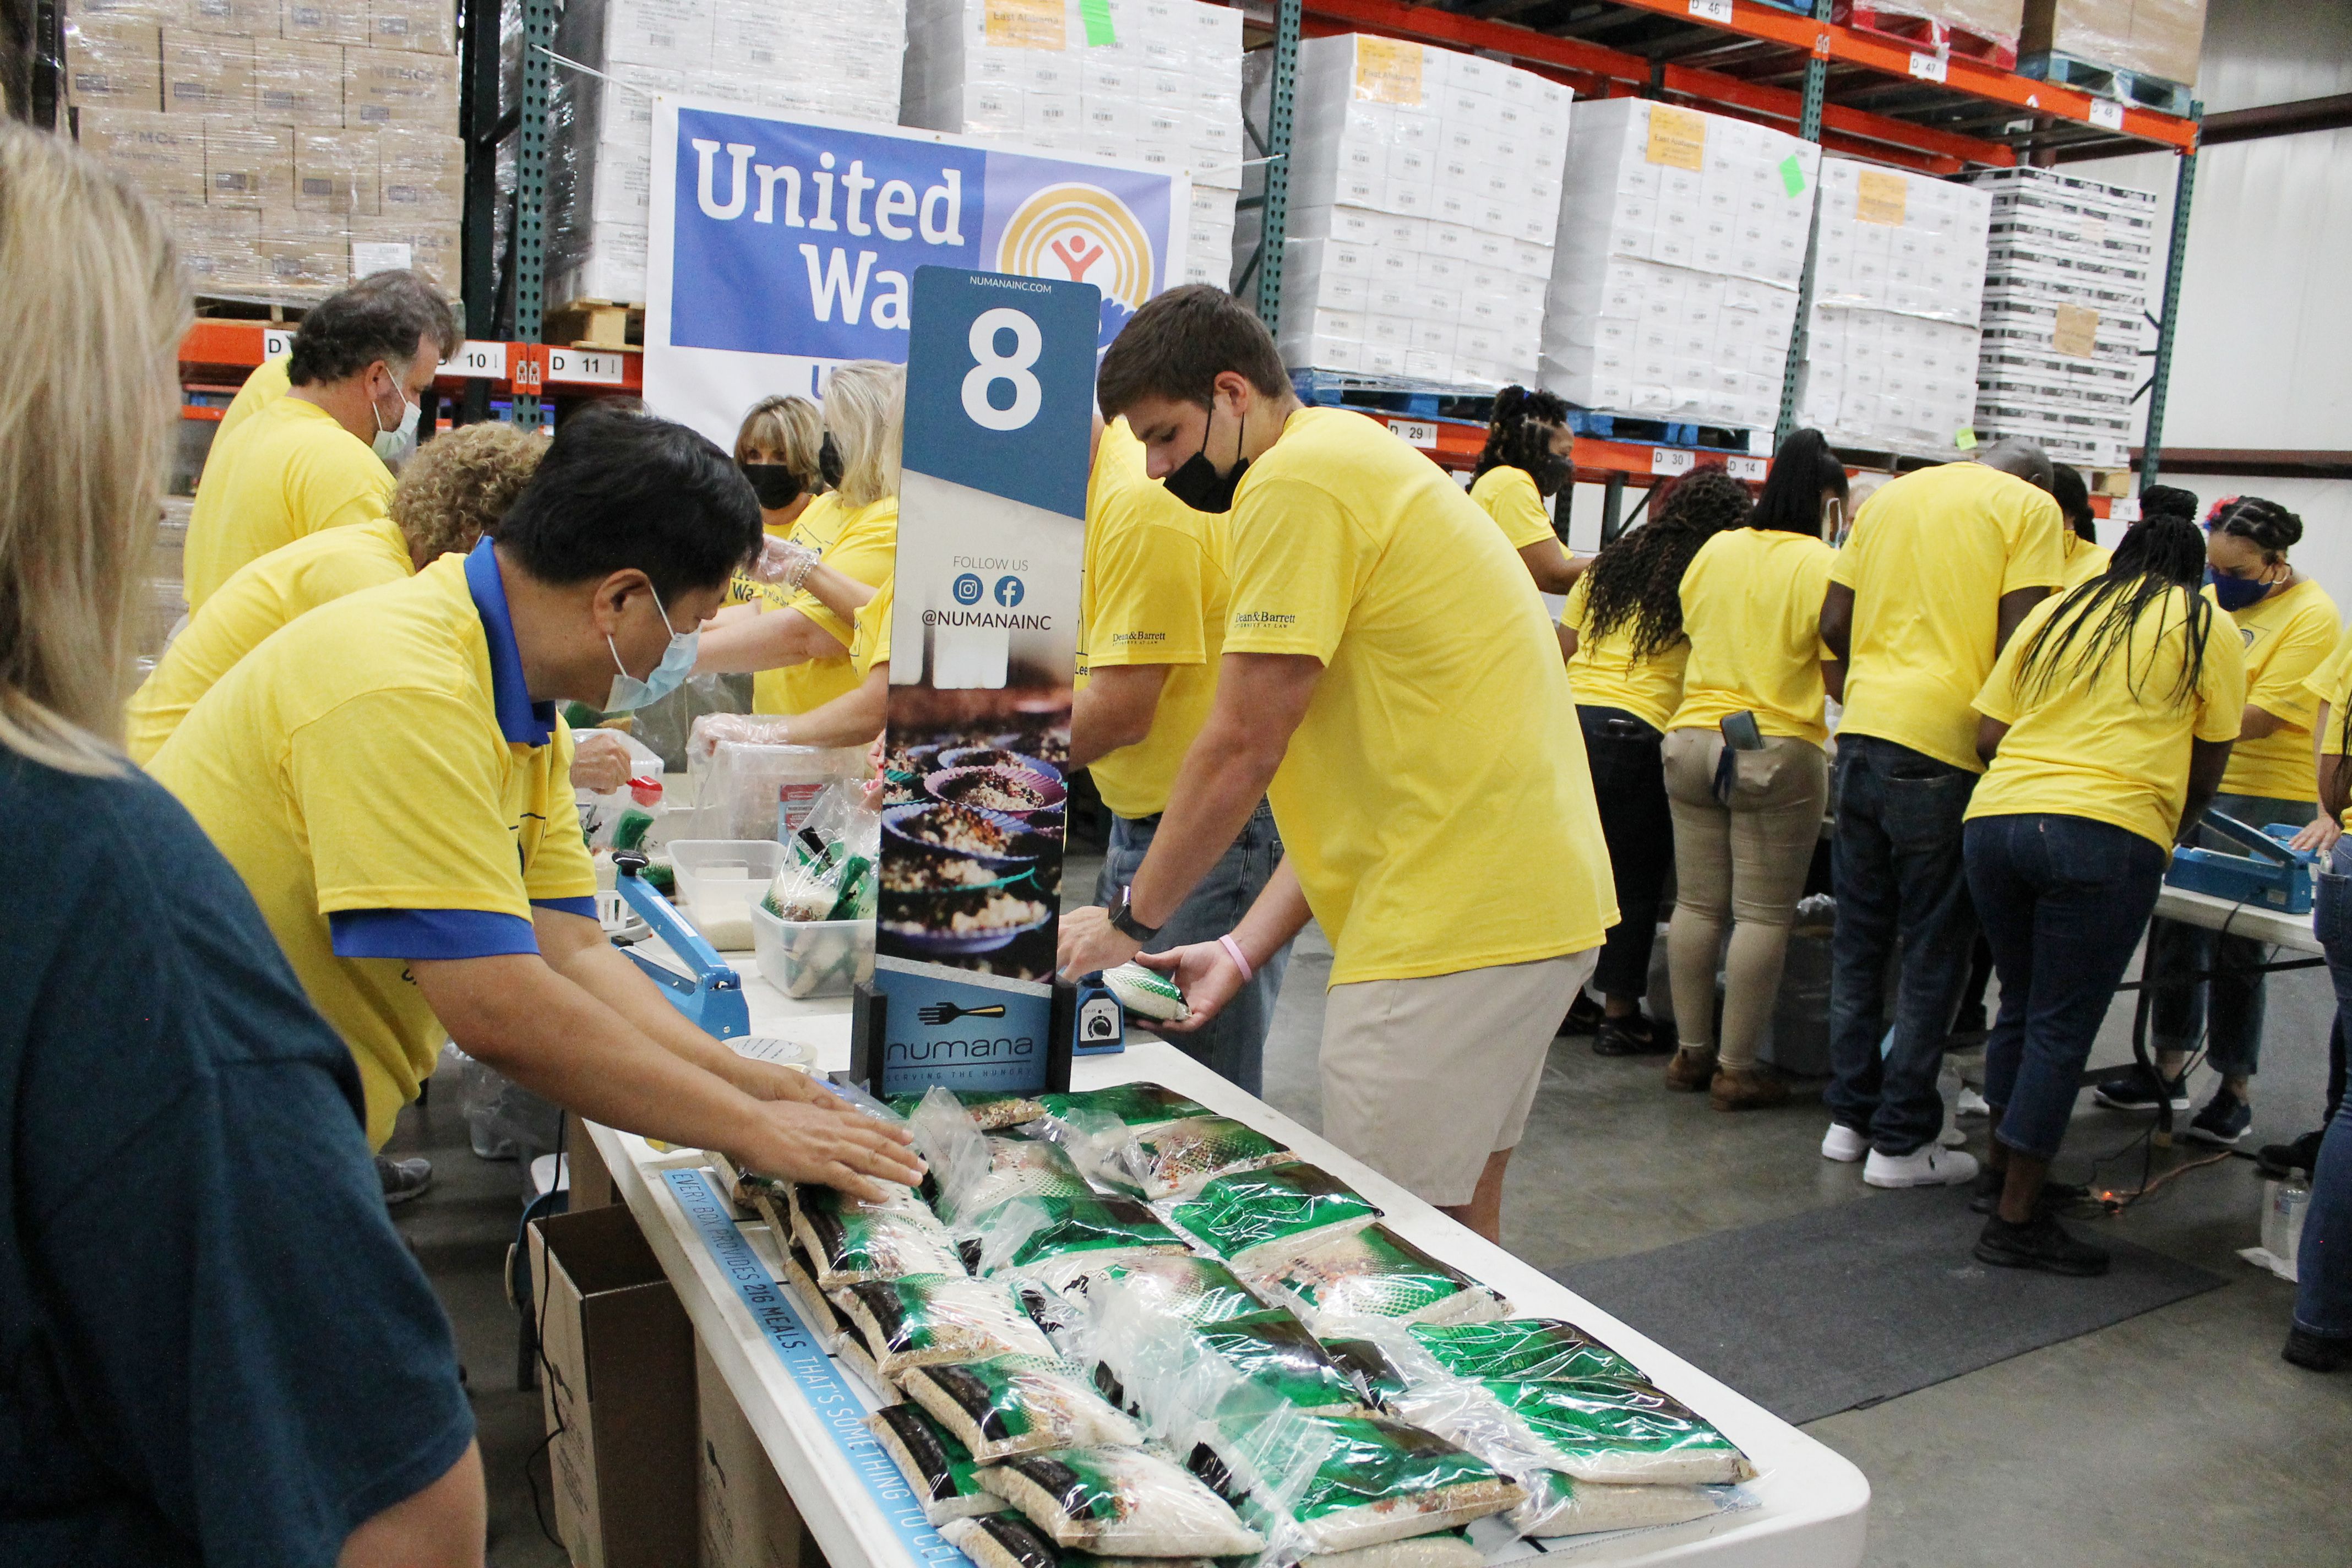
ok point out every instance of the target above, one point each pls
(1742, 865)
(1423, 1078)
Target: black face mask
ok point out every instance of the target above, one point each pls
(1549, 472)
(774, 483)
(828, 462)
(1197, 482)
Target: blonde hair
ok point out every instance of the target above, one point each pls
(790, 427)
(92, 310)
(459, 485)
(866, 409)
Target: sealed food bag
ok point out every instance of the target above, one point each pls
(1376, 1273)
(1120, 1503)
(1320, 1484)
(1374, 1370)
(972, 1173)
(1133, 1104)
(1193, 1290)
(1057, 1240)
(991, 1109)
(1520, 1349)
(1009, 1405)
(1560, 1505)
(1274, 1353)
(1009, 1541)
(1446, 1549)
(931, 1319)
(1181, 1157)
(1147, 994)
(1258, 1219)
(1619, 1431)
(939, 1467)
(853, 1242)
(824, 1319)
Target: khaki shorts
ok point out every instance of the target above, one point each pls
(1423, 1078)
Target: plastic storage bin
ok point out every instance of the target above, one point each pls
(813, 958)
(719, 878)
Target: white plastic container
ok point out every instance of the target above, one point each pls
(722, 879)
(813, 958)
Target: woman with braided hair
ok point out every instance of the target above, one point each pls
(1622, 631)
(2107, 722)
(1526, 462)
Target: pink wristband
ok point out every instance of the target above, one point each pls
(1233, 951)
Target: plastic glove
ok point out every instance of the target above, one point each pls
(783, 560)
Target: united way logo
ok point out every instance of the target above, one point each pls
(1085, 234)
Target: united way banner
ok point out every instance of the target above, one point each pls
(782, 247)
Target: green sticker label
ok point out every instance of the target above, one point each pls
(1096, 14)
(1793, 176)
(1965, 439)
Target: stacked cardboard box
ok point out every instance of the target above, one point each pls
(2065, 294)
(296, 143)
(1424, 190)
(1898, 284)
(2161, 38)
(1682, 243)
(1150, 81)
(834, 57)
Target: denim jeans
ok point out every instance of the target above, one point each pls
(2323, 1266)
(2179, 1014)
(1895, 863)
(2064, 899)
(1233, 1044)
(1630, 782)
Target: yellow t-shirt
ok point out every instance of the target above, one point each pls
(290, 470)
(1752, 610)
(1434, 800)
(366, 759)
(870, 644)
(863, 544)
(2331, 683)
(1155, 591)
(745, 589)
(1603, 672)
(2287, 637)
(266, 386)
(2091, 745)
(2084, 562)
(1929, 559)
(1511, 499)
(262, 596)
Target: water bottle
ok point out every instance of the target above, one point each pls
(2274, 1219)
(2293, 1205)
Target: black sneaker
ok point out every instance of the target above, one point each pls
(2040, 1243)
(1584, 1016)
(2317, 1352)
(2277, 1160)
(2134, 1088)
(2056, 1195)
(2223, 1121)
(1639, 1036)
(403, 1179)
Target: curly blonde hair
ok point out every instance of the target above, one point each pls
(461, 484)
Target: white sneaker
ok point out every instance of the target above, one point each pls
(1926, 1166)
(1973, 1104)
(1843, 1145)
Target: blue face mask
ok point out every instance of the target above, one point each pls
(2235, 593)
(677, 663)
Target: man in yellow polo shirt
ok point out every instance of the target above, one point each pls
(315, 457)
(1941, 567)
(387, 775)
(1389, 671)
(1151, 625)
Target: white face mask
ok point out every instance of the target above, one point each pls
(393, 444)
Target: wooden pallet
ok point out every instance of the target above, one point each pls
(596, 324)
(273, 309)
(1924, 35)
(2109, 81)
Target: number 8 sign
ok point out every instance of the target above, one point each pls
(989, 368)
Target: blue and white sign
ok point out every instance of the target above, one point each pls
(782, 247)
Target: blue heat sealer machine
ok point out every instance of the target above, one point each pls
(711, 997)
(2272, 877)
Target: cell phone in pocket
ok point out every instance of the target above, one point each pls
(1740, 733)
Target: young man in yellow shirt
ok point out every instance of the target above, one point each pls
(388, 776)
(1391, 680)
(1151, 623)
(315, 457)
(1941, 567)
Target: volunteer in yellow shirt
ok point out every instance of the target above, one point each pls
(1526, 462)
(2288, 627)
(2107, 720)
(1624, 631)
(857, 716)
(1391, 672)
(1152, 627)
(457, 485)
(1747, 779)
(1941, 566)
(781, 448)
(802, 649)
(387, 776)
(314, 459)
(267, 384)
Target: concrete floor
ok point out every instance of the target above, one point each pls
(2177, 1437)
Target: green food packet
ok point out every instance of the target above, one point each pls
(936, 1466)
(1376, 1273)
(989, 1109)
(1017, 1168)
(932, 1319)
(629, 832)
(1521, 1350)
(1197, 1290)
(1560, 1505)
(1274, 1353)
(853, 1242)
(1621, 1430)
(1018, 1405)
(1120, 1503)
(1257, 1219)
(1009, 1541)
(1378, 1481)
(1371, 1368)
(1136, 1104)
(1057, 1238)
(1179, 1157)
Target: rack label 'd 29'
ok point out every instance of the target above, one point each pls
(811, 1371)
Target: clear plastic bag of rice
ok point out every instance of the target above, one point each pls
(1009, 1541)
(1519, 1350)
(938, 1467)
(1010, 1405)
(1320, 1484)
(934, 1319)
(1560, 1505)
(852, 1242)
(1376, 1273)
(1132, 1104)
(1275, 1353)
(1446, 1549)
(1178, 1157)
(1056, 1240)
(1258, 1219)
(991, 1109)
(817, 1311)
(1374, 1371)
(1120, 1503)
(1193, 1289)
(972, 1171)
(1622, 1431)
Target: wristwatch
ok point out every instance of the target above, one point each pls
(1122, 918)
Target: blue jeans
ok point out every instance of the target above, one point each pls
(1629, 780)
(2179, 1014)
(2064, 899)
(2322, 1266)
(1233, 1044)
(1895, 863)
